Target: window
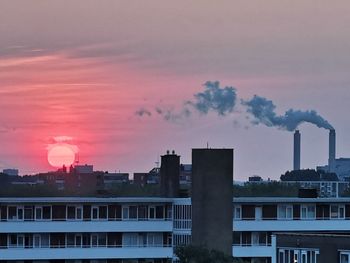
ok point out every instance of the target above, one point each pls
(28, 213)
(78, 240)
(12, 213)
(15, 213)
(74, 212)
(285, 212)
(142, 212)
(102, 212)
(125, 212)
(344, 257)
(237, 212)
(308, 211)
(94, 240)
(152, 212)
(37, 241)
(159, 212)
(38, 213)
(94, 213)
(303, 255)
(337, 211)
(155, 239)
(20, 213)
(98, 240)
(70, 212)
(16, 241)
(79, 213)
(132, 212)
(169, 213)
(130, 240)
(47, 212)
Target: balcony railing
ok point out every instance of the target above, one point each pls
(85, 219)
(88, 246)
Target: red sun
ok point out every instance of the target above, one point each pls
(61, 154)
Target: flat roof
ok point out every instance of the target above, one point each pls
(290, 200)
(85, 200)
(239, 200)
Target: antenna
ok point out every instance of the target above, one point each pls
(207, 145)
(77, 159)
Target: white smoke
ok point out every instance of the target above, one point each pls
(263, 111)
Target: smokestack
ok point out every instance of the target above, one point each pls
(297, 140)
(331, 157)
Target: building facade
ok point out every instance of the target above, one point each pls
(76, 229)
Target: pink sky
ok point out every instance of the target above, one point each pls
(81, 69)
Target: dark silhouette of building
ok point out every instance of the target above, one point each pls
(212, 180)
(170, 175)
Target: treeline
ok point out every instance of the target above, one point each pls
(270, 189)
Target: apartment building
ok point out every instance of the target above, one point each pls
(77, 229)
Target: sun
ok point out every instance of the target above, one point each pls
(61, 154)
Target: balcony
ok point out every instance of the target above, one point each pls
(85, 226)
(85, 253)
(253, 251)
(292, 225)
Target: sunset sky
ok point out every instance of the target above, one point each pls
(82, 68)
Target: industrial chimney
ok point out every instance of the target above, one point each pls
(331, 157)
(297, 140)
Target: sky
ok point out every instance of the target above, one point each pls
(82, 69)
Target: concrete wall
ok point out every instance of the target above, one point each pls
(212, 179)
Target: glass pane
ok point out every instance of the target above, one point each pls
(103, 212)
(37, 241)
(47, 212)
(79, 213)
(151, 212)
(20, 213)
(28, 213)
(20, 241)
(159, 212)
(125, 212)
(133, 212)
(71, 212)
(142, 212)
(38, 213)
(344, 258)
(95, 213)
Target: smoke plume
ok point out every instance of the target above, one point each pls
(213, 98)
(263, 111)
(143, 112)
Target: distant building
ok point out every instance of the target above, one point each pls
(327, 184)
(341, 168)
(255, 179)
(141, 178)
(185, 174)
(11, 172)
(84, 169)
(111, 179)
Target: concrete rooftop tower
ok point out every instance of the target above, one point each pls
(297, 141)
(212, 180)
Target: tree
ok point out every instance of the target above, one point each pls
(197, 254)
